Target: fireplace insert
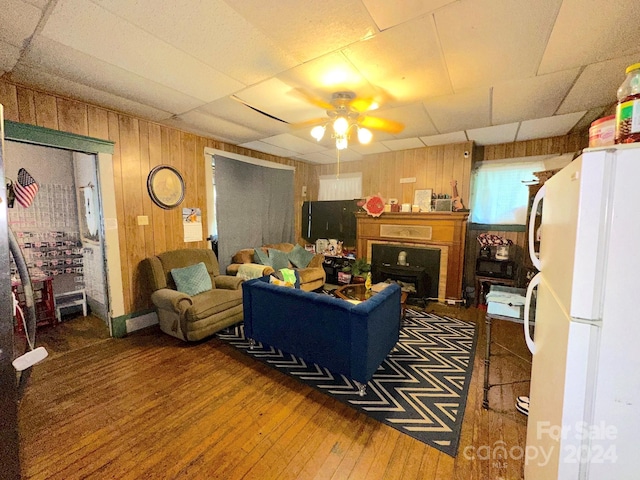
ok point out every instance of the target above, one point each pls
(417, 266)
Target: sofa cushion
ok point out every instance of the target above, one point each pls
(300, 257)
(262, 257)
(278, 258)
(193, 279)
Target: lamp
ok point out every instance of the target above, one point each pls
(341, 126)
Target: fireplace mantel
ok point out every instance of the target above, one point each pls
(444, 230)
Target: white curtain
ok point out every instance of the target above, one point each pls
(346, 187)
(499, 194)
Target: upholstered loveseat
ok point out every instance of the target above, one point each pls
(336, 334)
(312, 275)
(188, 316)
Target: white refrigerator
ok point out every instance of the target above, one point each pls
(584, 415)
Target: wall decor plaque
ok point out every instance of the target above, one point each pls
(165, 186)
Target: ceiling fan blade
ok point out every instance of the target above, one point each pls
(310, 123)
(363, 104)
(311, 98)
(382, 124)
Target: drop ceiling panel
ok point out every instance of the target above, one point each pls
(495, 134)
(18, 21)
(276, 98)
(328, 74)
(403, 144)
(293, 143)
(574, 41)
(152, 58)
(269, 149)
(413, 116)
(488, 41)
(73, 65)
(9, 55)
(387, 14)
(41, 4)
(213, 33)
(404, 60)
(467, 109)
(597, 85)
(217, 127)
(311, 30)
(548, 127)
(535, 97)
(370, 149)
(445, 138)
(237, 112)
(37, 78)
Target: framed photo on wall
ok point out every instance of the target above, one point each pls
(422, 198)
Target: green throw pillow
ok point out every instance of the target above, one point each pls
(192, 280)
(259, 256)
(300, 257)
(278, 258)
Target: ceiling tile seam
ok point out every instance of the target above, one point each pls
(443, 58)
(160, 39)
(546, 43)
(373, 21)
(44, 17)
(573, 84)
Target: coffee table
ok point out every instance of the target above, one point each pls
(358, 292)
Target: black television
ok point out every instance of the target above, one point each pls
(330, 219)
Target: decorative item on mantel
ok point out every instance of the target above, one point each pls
(373, 205)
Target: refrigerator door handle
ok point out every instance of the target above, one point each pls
(533, 283)
(532, 226)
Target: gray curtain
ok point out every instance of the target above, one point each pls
(254, 206)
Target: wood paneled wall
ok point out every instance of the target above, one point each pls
(435, 167)
(432, 167)
(139, 146)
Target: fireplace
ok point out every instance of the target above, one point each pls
(416, 269)
(443, 231)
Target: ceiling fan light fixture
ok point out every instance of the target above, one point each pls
(341, 143)
(364, 135)
(317, 132)
(340, 126)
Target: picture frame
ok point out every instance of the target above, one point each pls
(165, 186)
(422, 198)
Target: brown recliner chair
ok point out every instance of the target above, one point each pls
(194, 317)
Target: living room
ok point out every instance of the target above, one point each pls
(143, 137)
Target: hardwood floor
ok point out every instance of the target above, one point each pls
(149, 406)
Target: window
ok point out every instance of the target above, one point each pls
(499, 195)
(347, 186)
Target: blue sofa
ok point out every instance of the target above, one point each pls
(345, 338)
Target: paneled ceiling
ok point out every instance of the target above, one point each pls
(491, 71)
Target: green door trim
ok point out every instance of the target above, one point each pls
(22, 132)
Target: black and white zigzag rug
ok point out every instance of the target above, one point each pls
(420, 389)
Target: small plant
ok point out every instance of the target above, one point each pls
(359, 267)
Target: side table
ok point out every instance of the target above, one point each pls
(481, 280)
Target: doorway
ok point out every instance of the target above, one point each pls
(59, 232)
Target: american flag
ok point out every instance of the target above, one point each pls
(25, 188)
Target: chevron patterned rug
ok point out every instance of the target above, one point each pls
(420, 389)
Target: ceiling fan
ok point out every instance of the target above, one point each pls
(346, 112)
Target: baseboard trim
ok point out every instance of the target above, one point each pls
(131, 322)
(143, 321)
